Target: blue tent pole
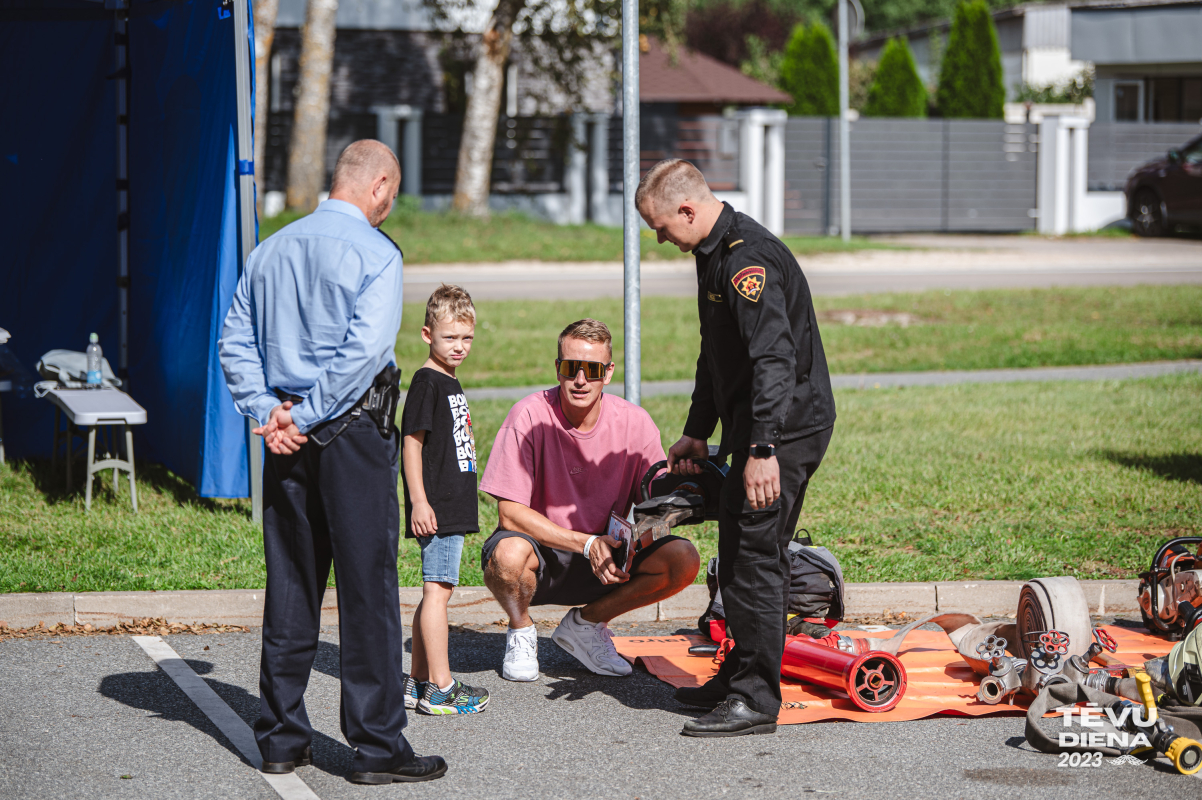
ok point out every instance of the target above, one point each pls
(121, 42)
(246, 212)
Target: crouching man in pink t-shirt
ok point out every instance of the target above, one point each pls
(563, 460)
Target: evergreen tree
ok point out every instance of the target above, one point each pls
(970, 80)
(809, 72)
(896, 90)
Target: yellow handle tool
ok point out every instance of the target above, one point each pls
(1143, 683)
(1186, 754)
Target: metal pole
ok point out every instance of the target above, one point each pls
(246, 211)
(630, 182)
(844, 137)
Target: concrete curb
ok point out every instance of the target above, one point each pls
(475, 604)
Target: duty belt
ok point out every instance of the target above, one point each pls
(379, 402)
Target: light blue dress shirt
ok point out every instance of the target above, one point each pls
(315, 314)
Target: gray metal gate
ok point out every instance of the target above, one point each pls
(912, 175)
(1116, 148)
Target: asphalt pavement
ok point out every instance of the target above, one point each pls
(893, 380)
(94, 717)
(923, 262)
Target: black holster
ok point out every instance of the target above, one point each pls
(379, 403)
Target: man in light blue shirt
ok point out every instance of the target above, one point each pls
(307, 350)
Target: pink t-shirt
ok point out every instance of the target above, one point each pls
(573, 479)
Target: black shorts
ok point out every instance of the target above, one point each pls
(564, 579)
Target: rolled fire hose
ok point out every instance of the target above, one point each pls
(1059, 604)
(874, 681)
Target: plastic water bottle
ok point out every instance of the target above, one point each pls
(95, 359)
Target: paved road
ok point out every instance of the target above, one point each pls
(95, 718)
(889, 380)
(933, 262)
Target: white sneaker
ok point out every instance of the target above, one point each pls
(521, 655)
(591, 644)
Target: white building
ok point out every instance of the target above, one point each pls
(1148, 56)
(1034, 40)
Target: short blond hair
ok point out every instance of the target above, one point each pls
(449, 302)
(672, 180)
(588, 330)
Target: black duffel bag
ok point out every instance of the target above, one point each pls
(815, 589)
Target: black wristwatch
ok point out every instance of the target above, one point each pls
(763, 450)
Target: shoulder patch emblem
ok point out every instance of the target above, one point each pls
(714, 298)
(749, 282)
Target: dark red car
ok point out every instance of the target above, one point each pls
(1167, 192)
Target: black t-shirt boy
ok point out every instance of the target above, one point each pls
(435, 403)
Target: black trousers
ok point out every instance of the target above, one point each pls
(339, 504)
(753, 571)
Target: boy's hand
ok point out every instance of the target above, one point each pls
(423, 520)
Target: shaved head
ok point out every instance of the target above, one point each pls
(367, 175)
(670, 182)
(362, 162)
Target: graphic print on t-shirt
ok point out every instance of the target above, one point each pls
(465, 441)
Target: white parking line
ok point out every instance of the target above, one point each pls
(288, 787)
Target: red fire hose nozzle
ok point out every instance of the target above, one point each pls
(875, 681)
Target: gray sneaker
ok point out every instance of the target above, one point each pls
(591, 644)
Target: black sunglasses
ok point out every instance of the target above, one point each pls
(570, 367)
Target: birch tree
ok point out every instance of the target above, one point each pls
(474, 168)
(562, 40)
(265, 12)
(306, 153)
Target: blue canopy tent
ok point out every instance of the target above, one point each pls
(127, 205)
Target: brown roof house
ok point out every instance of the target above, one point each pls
(698, 108)
(393, 79)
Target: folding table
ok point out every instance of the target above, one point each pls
(90, 409)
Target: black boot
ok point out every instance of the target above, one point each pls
(421, 768)
(709, 695)
(284, 767)
(732, 717)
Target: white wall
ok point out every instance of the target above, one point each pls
(1047, 66)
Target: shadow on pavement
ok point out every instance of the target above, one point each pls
(565, 677)
(157, 693)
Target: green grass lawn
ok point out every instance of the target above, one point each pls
(430, 238)
(515, 340)
(970, 482)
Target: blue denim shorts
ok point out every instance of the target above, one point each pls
(440, 557)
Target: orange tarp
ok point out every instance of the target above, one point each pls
(938, 680)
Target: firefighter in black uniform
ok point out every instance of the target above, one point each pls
(763, 373)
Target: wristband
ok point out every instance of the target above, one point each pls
(589, 543)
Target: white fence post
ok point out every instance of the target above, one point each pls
(576, 179)
(1062, 182)
(598, 166)
(774, 171)
(751, 163)
(762, 166)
